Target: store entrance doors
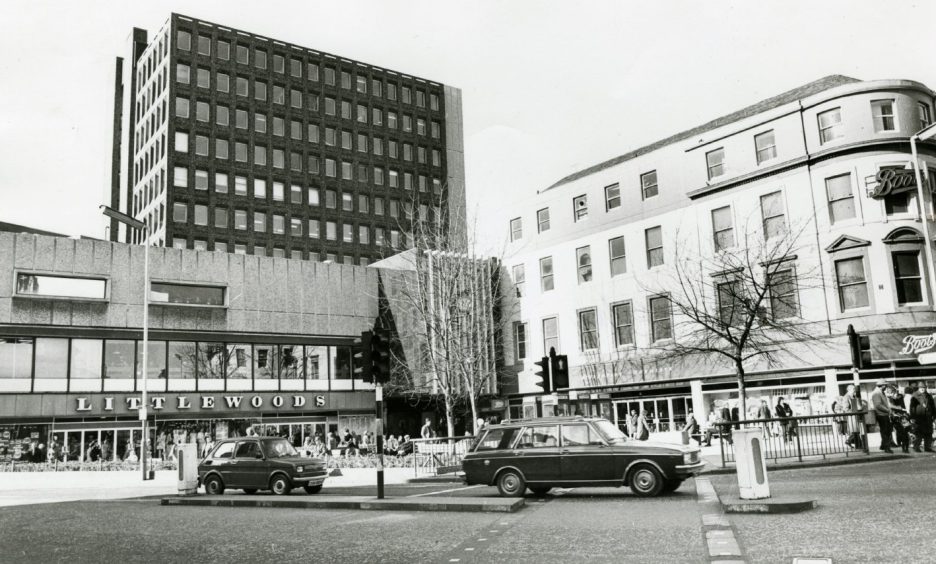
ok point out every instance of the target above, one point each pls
(663, 414)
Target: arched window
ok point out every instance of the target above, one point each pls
(905, 248)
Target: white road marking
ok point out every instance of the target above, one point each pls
(482, 539)
(469, 549)
(447, 491)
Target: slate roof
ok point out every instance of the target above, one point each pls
(798, 93)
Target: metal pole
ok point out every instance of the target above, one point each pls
(144, 407)
(380, 445)
(928, 247)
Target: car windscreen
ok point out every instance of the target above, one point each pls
(280, 448)
(611, 433)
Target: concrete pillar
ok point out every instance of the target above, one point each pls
(831, 386)
(698, 403)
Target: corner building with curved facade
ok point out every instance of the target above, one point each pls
(829, 161)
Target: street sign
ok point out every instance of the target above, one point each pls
(927, 358)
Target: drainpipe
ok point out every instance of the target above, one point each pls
(812, 197)
(923, 134)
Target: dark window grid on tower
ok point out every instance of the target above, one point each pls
(234, 67)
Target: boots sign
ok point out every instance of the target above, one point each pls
(202, 404)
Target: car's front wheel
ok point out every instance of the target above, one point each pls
(280, 485)
(214, 485)
(645, 481)
(312, 489)
(511, 484)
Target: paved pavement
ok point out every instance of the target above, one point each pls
(876, 512)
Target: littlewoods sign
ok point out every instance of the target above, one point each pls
(199, 403)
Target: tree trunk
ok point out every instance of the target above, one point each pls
(742, 391)
(449, 416)
(474, 413)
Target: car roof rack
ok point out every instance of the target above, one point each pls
(549, 419)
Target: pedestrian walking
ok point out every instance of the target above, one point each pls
(632, 424)
(692, 428)
(922, 411)
(900, 419)
(882, 413)
(643, 426)
(426, 431)
(852, 405)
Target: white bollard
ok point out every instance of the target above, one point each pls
(751, 463)
(188, 469)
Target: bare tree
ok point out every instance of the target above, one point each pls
(446, 302)
(740, 303)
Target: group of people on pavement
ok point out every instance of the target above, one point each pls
(896, 415)
(638, 426)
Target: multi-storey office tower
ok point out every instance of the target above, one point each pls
(230, 141)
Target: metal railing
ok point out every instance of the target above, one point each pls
(798, 437)
(440, 455)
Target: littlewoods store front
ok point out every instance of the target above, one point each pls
(104, 426)
(235, 341)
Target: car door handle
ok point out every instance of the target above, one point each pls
(563, 451)
(518, 453)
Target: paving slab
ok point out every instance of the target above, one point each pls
(434, 503)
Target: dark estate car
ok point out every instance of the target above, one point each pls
(259, 463)
(573, 452)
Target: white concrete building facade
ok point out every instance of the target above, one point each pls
(826, 166)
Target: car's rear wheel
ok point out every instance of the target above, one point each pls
(540, 490)
(312, 489)
(280, 485)
(671, 485)
(645, 481)
(214, 485)
(511, 484)
(250, 490)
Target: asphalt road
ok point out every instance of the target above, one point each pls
(597, 525)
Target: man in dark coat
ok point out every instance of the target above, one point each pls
(922, 411)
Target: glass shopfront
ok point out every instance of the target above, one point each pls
(664, 414)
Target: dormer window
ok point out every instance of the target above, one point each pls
(580, 207)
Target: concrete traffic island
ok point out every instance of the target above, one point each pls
(434, 503)
(786, 504)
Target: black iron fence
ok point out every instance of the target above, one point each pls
(798, 437)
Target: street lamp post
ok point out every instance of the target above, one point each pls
(925, 133)
(144, 399)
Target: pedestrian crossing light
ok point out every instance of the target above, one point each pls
(560, 370)
(542, 375)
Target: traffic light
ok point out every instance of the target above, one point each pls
(542, 375)
(560, 371)
(380, 355)
(860, 347)
(363, 358)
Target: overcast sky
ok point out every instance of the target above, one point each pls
(548, 87)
